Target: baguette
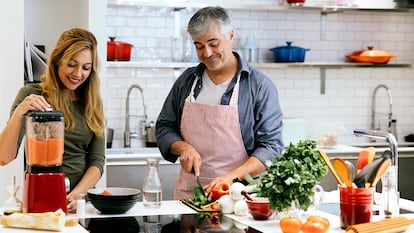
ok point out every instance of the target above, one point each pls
(51, 221)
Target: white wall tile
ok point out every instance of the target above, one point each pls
(346, 103)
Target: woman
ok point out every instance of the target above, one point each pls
(70, 85)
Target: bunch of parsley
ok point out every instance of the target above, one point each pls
(292, 176)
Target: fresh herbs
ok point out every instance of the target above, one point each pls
(292, 176)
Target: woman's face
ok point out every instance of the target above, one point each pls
(73, 73)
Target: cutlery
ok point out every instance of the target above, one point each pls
(342, 170)
(199, 183)
(330, 167)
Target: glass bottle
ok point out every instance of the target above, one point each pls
(152, 185)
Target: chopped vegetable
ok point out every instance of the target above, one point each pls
(106, 192)
(220, 190)
(198, 199)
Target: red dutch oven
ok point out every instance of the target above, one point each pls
(118, 51)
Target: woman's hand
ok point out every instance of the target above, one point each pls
(32, 103)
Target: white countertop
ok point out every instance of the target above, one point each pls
(75, 229)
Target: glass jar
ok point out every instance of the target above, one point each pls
(152, 190)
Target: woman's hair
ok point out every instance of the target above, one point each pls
(68, 45)
(201, 21)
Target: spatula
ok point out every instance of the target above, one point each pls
(371, 154)
(362, 159)
(381, 170)
(330, 167)
(343, 171)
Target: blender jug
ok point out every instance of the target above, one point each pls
(44, 138)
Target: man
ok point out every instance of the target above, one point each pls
(221, 118)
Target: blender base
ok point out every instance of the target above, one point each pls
(44, 192)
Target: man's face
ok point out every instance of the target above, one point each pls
(214, 49)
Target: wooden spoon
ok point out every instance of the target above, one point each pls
(381, 170)
(330, 167)
(342, 170)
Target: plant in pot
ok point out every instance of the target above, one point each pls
(291, 177)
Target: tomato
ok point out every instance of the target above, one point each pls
(290, 224)
(214, 206)
(315, 224)
(220, 190)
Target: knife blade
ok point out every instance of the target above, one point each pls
(199, 183)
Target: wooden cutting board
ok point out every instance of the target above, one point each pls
(198, 209)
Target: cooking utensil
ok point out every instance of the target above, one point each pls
(371, 154)
(342, 170)
(381, 170)
(371, 56)
(330, 167)
(368, 172)
(199, 183)
(362, 159)
(117, 50)
(351, 169)
(289, 53)
(390, 225)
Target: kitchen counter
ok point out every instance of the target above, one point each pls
(173, 216)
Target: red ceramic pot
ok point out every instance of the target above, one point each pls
(118, 51)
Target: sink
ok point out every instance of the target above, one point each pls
(134, 150)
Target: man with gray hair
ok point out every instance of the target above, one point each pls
(222, 118)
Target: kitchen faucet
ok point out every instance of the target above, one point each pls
(127, 133)
(390, 178)
(373, 109)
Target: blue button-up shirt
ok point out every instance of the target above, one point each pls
(260, 114)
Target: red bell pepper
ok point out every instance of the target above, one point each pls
(220, 190)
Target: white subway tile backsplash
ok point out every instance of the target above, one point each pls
(346, 103)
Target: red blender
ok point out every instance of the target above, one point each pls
(44, 186)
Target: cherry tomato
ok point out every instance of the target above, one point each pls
(290, 224)
(220, 190)
(214, 206)
(315, 224)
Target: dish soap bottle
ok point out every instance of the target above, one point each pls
(152, 185)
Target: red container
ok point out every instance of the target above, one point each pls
(259, 208)
(355, 205)
(295, 2)
(118, 51)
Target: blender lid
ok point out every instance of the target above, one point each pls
(46, 116)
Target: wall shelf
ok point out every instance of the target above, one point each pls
(322, 67)
(181, 65)
(274, 7)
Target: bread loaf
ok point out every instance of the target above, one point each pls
(52, 221)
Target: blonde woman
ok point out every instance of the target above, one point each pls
(70, 85)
